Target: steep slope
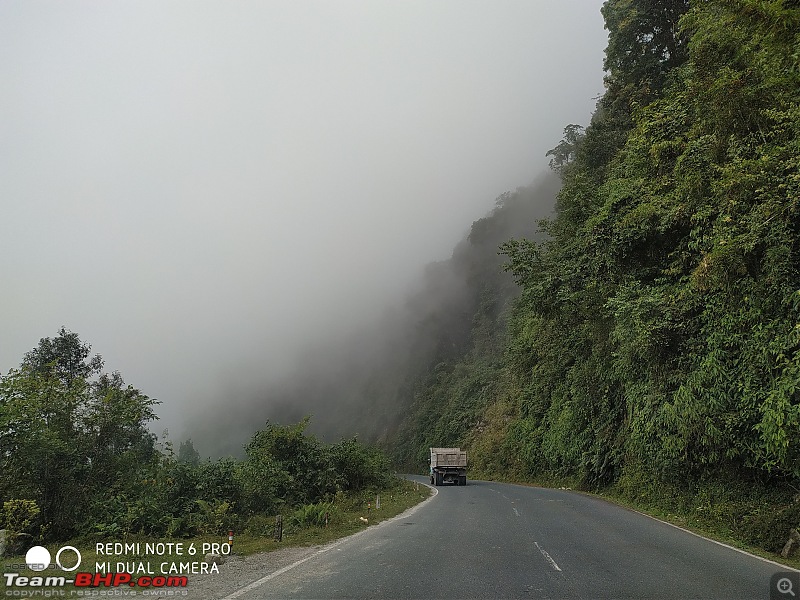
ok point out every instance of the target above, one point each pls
(364, 383)
(655, 345)
(451, 392)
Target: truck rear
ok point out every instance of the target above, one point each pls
(448, 465)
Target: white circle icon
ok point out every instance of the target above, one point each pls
(37, 558)
(77, 553)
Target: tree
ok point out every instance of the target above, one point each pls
(187, 453)
(41, 446)
(567, 149)
(66, 356)
(115, 422)
(645, 42)
(70, 435)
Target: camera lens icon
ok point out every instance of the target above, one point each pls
(38, 558)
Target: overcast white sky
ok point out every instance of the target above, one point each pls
(201, 189)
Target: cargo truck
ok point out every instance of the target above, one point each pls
(448, 465)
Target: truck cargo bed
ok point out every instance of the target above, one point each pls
(448, 465)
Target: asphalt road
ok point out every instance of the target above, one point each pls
(492, 540)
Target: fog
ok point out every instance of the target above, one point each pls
(364, 382)
(210, 193)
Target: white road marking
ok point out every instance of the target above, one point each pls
(607, 501)
(516, 512)
(259, 582)
(501, 493)
(547, 557)
(702, 537)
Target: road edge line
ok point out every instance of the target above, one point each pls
(644, 514)
(259, 582)
(713, 541)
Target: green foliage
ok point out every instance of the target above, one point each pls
(215, 517)
(359, 467)
(41, 449)
(725, 503)
(659, 323)
(285, 466)
(767, 526)
(75, 441)
(312, 515)
(64, 356)
(447, 399)
(260, 525)
(187, 453)
(655, 342)
(66, 428)
(645, 41)
(564, 154)
(19, 515)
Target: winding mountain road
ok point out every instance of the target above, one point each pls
(492, 540)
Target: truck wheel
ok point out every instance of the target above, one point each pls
(438, 479)
(462, 480)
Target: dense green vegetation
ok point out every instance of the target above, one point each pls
(466, 337)
(654, 349)
(77, 459)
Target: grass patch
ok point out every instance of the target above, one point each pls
(344, 512)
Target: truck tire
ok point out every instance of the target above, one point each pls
(438, 479)
(462, 480)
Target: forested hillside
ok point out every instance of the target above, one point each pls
(466, 335)
(655, 345)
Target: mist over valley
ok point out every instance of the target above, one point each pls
(233, 206)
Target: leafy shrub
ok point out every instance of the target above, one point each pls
(358, 466)
(215, 517)
(19, 515)
(769, 529)
(311, 515)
